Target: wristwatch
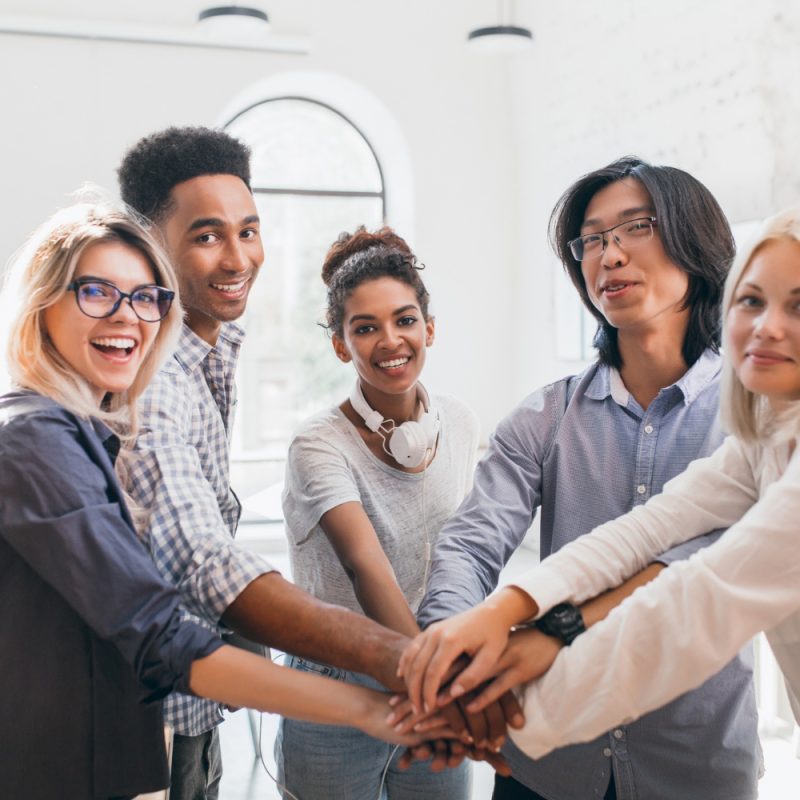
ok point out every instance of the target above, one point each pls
(563, 621)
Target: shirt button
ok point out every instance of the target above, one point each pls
(618, 734)
(607, 752)
(641, 488)
(648, 428)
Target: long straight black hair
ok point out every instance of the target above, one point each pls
(695, 234)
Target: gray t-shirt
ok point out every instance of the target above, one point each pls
(329, 464)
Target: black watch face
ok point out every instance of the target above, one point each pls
(564, 621)
(564, 615)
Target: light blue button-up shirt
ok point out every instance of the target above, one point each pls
(584, 451)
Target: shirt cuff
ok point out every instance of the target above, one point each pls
(545, 586)
(223, 577)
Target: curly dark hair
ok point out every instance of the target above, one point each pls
(363, 256)
(157, 163)
(695, 234)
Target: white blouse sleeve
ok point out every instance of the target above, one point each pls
(711, 493)
(678, 630)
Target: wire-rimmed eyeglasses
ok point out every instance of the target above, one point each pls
(99, 299)
(627, 235)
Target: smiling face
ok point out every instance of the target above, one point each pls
(385, 335)
(108, 352)
(213, 239)
(763, 323)
(639, 288)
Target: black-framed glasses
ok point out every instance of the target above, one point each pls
(627, 235)
(98, 299)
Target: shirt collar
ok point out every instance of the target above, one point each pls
(193, 349)
(705, 370)
(107, 437)
(607, 382)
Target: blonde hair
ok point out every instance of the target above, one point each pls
(38, 278)
(744, 413)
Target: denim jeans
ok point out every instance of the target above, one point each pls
(327, 762)
(196, 767)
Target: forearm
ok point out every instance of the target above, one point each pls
(262, 685)
(599, 608)
(381, 599)
(278, 614)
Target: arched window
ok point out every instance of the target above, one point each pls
(314, 175)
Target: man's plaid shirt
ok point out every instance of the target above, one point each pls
(181, 477)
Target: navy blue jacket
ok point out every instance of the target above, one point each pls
(89, 631)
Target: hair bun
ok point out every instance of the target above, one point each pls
(361, 240)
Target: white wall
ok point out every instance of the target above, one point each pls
(71, 108)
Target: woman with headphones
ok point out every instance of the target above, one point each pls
(369, 483)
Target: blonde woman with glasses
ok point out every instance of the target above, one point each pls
(88, 627)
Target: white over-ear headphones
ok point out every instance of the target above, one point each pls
(409, 442)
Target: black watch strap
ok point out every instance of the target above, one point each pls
(563, 621)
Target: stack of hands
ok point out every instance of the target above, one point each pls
(459, 675)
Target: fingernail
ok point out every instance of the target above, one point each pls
(456, 690)
(518, 720)
(390, 720)
(421, 727)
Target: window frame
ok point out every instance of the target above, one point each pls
(382, 194)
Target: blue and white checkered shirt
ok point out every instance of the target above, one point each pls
(182, 477)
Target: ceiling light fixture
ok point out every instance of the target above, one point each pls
(234, 21)
(503, 37)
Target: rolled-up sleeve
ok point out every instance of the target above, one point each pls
(57, 513)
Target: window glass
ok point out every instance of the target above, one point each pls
(304, 145)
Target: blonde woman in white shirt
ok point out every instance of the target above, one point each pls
(675, 632)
